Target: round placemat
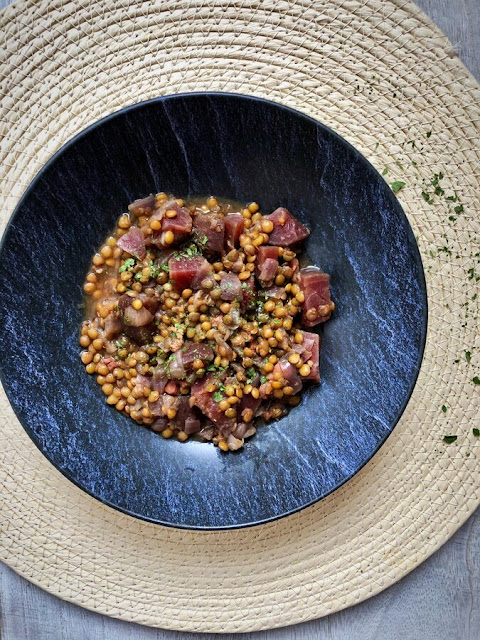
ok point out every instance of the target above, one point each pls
(381, 75)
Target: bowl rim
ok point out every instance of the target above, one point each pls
(411, 242)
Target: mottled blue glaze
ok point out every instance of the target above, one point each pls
(245, 149)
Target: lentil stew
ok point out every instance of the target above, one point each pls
(196, 317)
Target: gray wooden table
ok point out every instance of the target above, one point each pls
(440, 600)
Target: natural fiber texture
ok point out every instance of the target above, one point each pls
(380, 74)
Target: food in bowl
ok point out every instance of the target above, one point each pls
(198, 315)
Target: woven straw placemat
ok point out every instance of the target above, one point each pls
(381, 75)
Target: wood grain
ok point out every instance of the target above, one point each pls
(440, 600)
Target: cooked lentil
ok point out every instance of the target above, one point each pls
(196, 314)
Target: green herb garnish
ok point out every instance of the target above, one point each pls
(217, 396)
(468, 356)
(396, 186)
(188, 251)
(449, 439)
(263, 379)
(444, 408)
(476, 432)
(128, 265)
(476, 380)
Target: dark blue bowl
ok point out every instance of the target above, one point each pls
(246, 149)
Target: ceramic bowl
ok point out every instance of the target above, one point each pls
(245, 149)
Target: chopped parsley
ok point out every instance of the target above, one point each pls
(468, 356)
(385, 171)
(476, 380)
(128, 265)
(263, 379)
(476, 432)
(444, 408)
(217, 396)
(201, 241)
(251, 373)
(397, 185)
(427, 197)
(429, 133)
(449, 439)
(458, 209)
(155, 270)
(472, 275)
(189, 250)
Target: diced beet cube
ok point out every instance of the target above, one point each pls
(231, 287)
(268, 271)
(188, 272)
(208, 406)
(266, 264)
(180, 226)
(192, 351)
(234, 224)
(209, 231)
(249, 290)
(317, 306)
(133, 242)
(289, 372)
(311, 345)
(264, 252)
(287, 230)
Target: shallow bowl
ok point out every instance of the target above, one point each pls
(245, 149)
